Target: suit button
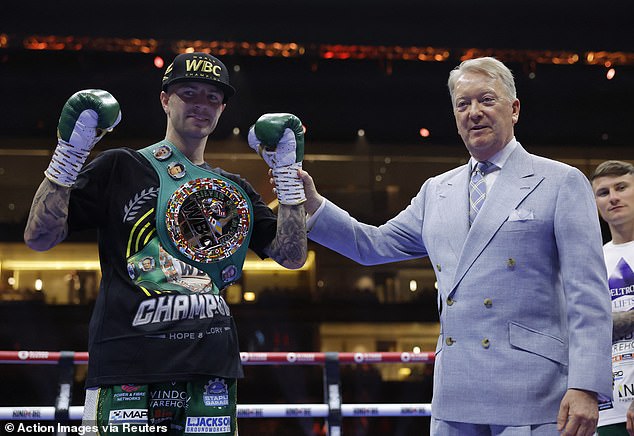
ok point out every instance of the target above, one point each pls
(510, 263)
(450, 301)
(486, 343)
(438, 267)
(488, 302)
(449, 340)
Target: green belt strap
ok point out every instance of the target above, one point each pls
(221, 259)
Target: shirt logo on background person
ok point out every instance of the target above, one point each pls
(621, 280)
(626, 391)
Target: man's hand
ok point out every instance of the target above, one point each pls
(313, 199)
(578, 413)
(629, 423)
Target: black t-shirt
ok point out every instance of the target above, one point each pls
(143, 335)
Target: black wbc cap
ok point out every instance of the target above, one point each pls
(199, 67)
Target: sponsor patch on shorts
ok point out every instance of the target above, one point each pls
(208, 424)
(128, 416)
(216, 393)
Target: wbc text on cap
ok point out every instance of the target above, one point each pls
(201, 67)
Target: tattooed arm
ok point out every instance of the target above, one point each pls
(622, 324)
(289, 248)
(47, 225)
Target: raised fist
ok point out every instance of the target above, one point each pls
(279, 139)
(86, 117)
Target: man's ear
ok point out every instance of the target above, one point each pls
(516, 111)
(164, 97)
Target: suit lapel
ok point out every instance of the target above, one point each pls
(454, 208)
(515, 181)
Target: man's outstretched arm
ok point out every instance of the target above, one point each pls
(289, 248)
(47, 225)
(86, 117)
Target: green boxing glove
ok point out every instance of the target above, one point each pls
(86, 117)
(279, 139)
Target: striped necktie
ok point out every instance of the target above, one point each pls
(478, 188)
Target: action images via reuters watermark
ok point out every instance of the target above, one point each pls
(81, 430)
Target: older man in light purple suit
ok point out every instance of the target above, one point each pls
(515, 242)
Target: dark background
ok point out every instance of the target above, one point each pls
(562, 104)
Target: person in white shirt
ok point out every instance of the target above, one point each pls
(613, 186)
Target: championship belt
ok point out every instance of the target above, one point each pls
(202, 218)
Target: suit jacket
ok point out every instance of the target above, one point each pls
(523, 297)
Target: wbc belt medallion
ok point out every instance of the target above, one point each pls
(207, 219)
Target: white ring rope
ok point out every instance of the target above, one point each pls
(47, 413)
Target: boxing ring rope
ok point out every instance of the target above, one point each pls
(332, 410)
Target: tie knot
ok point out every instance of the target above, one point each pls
(485, 167)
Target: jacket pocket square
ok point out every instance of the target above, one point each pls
(521, 215)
